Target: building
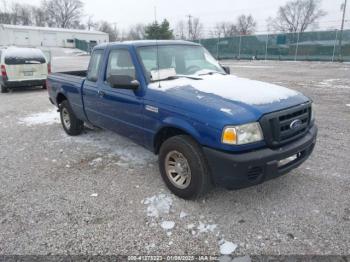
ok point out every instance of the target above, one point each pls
(32, 36)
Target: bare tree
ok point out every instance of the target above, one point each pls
(189, 30)
(108, 28)
(224, 29)
(5, 14)
(39, 16)
(136, 32)
(297, 16)
(246, 25)
(21, 14)
(64, 13)
(180, 30)
(197, 29)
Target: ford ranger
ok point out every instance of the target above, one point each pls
(207, 126)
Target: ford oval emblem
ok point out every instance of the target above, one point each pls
(296, 124)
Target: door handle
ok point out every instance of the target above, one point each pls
(101, 93)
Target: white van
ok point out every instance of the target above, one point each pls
(22, 67)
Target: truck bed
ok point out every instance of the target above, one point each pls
(70, 85)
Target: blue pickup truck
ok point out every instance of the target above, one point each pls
(207, 126)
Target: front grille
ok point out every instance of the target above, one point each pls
(278, 128)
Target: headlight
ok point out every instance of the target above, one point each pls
(244, 134)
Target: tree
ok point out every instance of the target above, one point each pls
(197, 29)
(297, 16)
(224, 29)
(108, 28)
(246, 25)
(136, 32)
(180, 30)
(39, 16)
(193, 29)
(159, 31)
(64, 13)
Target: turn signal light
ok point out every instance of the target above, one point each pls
(229, 136)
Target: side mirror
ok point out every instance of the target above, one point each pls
(123, 82)
(226, 69)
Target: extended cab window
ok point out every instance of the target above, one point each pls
(94, 66)
(120, 63)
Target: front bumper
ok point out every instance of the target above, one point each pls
(235, 171)
(26, 83)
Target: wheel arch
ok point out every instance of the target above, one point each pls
(60, 98)
(173, 127)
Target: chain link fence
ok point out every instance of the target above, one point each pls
(307, 46)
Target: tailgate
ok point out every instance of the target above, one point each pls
(25, 72)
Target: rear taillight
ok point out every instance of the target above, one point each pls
(49, 68)
(3, 72)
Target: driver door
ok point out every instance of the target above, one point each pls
(123, 108)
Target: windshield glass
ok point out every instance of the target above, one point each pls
(183, 60)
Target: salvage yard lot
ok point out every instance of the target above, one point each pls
(101, 194)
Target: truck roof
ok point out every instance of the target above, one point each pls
(139, 43)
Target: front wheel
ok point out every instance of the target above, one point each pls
(3, 89)
(183, 167)
(72, 125)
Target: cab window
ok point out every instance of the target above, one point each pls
(120, 63)
(95, 63)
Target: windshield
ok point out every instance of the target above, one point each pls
(185, 60)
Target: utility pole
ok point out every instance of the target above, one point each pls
(341, 32)
(190, 27)
(155, 14)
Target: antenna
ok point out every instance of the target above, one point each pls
(155, 13)
(157, 46)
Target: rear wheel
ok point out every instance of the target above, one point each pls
(71, 124)
(4, 89)
(183, 167)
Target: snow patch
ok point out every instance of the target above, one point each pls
(226, 110)
(128, 153)
(227, 248)
(203, 228)
(167, 225)
(96, 161)
(348, 105)
(183, 214)
(158, 205)
(190, 226)
(334, 83)
(44, 118)
(231, 87)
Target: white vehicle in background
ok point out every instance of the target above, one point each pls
(23, 67)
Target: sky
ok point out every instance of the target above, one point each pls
(128, 12)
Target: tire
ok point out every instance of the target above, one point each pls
(71, 124)
(199, 182)
(4, 89)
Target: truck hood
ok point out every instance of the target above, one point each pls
(239, 99)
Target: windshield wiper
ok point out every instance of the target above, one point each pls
(211, 73)
(177, 77)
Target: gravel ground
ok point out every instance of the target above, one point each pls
(101, 194)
